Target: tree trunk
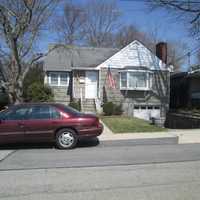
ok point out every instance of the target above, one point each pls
(15, 93)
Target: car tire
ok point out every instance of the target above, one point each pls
(66, 139)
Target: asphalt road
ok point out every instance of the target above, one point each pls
(127, 172)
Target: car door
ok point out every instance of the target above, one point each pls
(12, 125)
(40, 124)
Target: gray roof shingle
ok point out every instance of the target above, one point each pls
(66, 58)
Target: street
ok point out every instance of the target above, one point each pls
(99, 172)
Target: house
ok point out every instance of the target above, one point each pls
(141, 78)
(185, 89)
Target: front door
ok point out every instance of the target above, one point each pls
(91, 84)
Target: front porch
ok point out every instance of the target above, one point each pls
(85, 87)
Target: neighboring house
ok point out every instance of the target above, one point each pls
(142, 79)
(185, 89)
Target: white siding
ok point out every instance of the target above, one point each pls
(134, 54)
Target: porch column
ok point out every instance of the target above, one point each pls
(99, 86)
(72, 85)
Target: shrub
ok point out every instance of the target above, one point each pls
(75, 104)
(118, 109)
(38, 92)
(108, 108)
(34, 75)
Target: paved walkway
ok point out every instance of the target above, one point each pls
(187, 135)
(184, 135)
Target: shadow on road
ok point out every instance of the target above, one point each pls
(83, 143)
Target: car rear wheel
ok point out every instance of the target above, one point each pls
(66, 139)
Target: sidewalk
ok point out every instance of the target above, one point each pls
(4, 154)
(182, 136)
(186, 135)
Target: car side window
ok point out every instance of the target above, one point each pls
(54, 113)
(39, 112)
(16, 114)
(43, 112)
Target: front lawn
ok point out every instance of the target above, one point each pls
(122, 124)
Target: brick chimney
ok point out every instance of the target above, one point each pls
(161, 51)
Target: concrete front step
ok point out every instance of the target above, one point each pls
(88, 105)
(89, 108)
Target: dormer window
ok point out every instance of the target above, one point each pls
(135, 80)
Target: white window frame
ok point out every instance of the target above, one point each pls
(59, 78)
(148, 80)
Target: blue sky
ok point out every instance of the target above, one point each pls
(168, 28)
(136, 13)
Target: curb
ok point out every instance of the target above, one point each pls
(142, 141)
(4, 154)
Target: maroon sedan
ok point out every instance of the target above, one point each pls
(47, 123)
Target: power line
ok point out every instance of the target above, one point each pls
(190, 53)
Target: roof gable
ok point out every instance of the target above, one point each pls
(134, 54)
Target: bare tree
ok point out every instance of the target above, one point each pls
(176, 54)
(101, 21)
(189, 11)
(20, 24)
(70, 24)
(127, 34)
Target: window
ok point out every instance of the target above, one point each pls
(156, 107)
(124, 79)
(143, 107)
(135, 80)
(39, 112)
(70, 110)
(58, 78)
(54, 79)
(54, 114)
(43, 112)
(64, 79)
(16, 114)
(150, 107)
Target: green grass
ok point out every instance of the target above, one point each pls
(121, 124)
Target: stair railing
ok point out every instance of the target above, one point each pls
(81, 91)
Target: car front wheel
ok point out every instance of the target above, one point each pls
(66, 139)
